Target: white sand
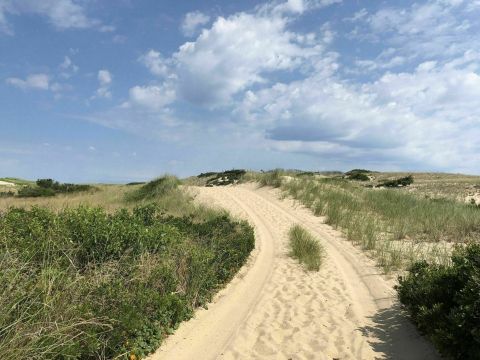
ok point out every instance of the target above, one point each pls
(273, 309)
(6, 183)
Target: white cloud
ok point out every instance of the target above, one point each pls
(432, 29)
(105, 79)
(193, 21)
(235, 53)
(150, 97)
(68, 68)
(425, 118)
(156, 63)
(62, 14)
(261, 80)
(107, 28)
(34, 81)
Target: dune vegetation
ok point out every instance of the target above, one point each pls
(79, 281)
(397, 228)
(433, 242)
(305, 248)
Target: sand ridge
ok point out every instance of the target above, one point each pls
(273, 309)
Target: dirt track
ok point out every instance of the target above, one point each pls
(273, 309)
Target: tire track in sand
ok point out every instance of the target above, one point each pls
(275, 310)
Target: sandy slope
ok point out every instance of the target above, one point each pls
(274, 309)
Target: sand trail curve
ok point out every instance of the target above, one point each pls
(273, 309)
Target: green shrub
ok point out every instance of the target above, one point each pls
(359, 177)
(444, 302)
(31, 191)
(404, 181)
(223, 178)
(305, 248)
(86, 284)
(6, 194)
(49, 187)
(62, 188)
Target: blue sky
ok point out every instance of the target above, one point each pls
(120, 90)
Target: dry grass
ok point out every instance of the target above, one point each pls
(110, 197)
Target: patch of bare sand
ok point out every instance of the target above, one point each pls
(273, 309)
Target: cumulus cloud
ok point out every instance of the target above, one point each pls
(193, 21)
(105, 79)
(238, 52)
(62, 14)
(155, 62)
(235, 53)
(255, 75)
(427, 117)
(150, 97)
(34, 81)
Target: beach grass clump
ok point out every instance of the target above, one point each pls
(156, 188)
(305, 248)
(271, 178)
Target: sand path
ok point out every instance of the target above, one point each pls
(273, 309)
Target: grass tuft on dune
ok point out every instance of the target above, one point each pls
(305, 248)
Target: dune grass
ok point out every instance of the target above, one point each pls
(93, 276)
(305, 248)
(398, 228)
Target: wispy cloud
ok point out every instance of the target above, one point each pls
(193, 21)
(34, 81)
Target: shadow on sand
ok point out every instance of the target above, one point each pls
(393, 335)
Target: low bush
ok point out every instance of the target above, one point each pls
(49, 187)
(444, 302)
(86, 284)
(6, 194)
(359, 177)
(305, 248)
(404, 181)
(31, 191)
(224, 178)
(62, 188)
(136, 183)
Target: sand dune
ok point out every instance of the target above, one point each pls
(273, 309)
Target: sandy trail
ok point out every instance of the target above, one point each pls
(273, 309)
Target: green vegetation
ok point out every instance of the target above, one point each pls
(271, 178)
(305, 248)
(136, 183)
(49, 187)
(404, 181)
(359, 177)
(444, 302)
(358, 174)
(156, 188)
(84, 283)
(393, 225)
(221, 178)
(224, 178)
(6, 194)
